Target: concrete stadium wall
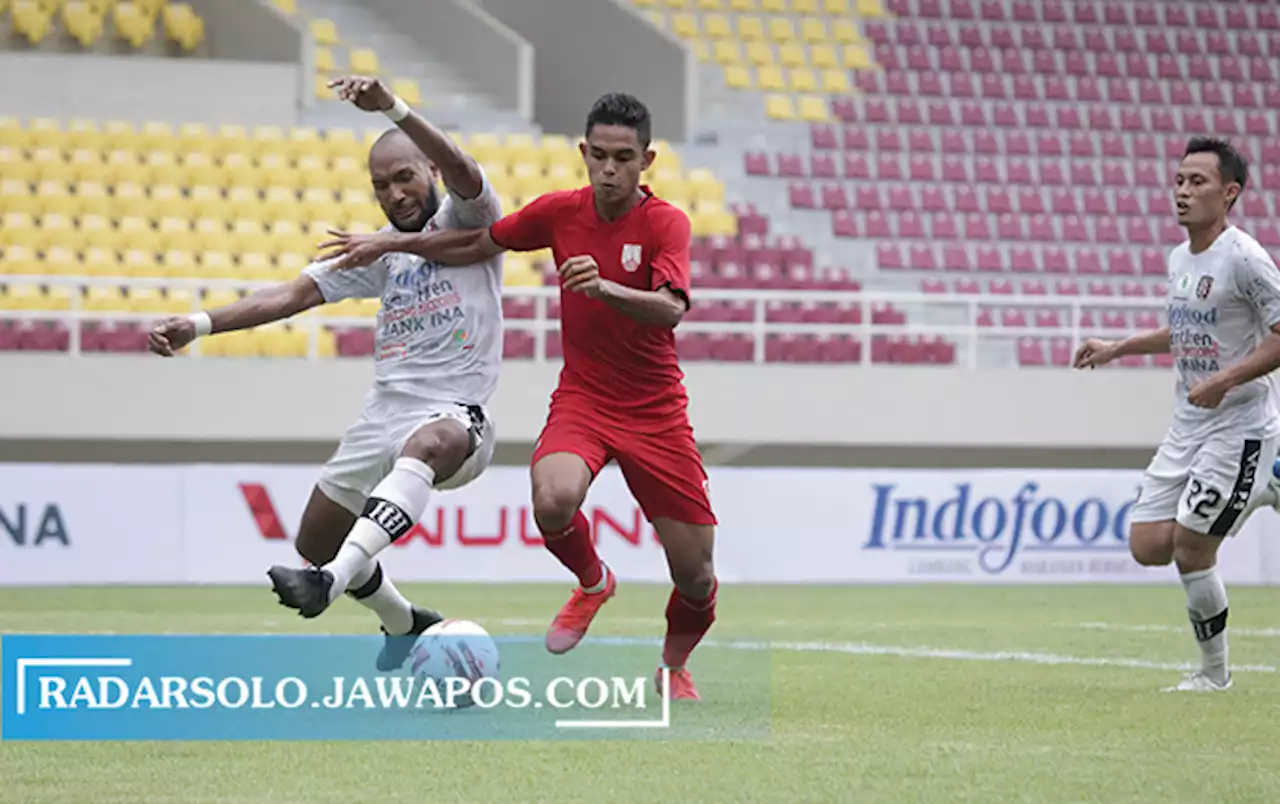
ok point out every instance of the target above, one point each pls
(135, 408)
(149, 88)
(479, 46)
(586, 48)
(249, 30)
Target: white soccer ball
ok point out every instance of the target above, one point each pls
(455, 656)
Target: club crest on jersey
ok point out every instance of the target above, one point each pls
(631, 256)
(1204, 286)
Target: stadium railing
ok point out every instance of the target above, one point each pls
(925, 311)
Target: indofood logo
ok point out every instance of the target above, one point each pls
(997, 528)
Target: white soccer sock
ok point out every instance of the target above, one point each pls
(1207, 608)
(385, 600)
(395, 505)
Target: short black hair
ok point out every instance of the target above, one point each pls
(620, 109)
(1232, 165)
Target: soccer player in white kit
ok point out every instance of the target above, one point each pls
(425, 425)
(1214, 467)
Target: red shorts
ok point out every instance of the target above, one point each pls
(662, 469)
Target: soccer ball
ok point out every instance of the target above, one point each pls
(456, 655)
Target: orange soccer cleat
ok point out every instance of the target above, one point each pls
(681, 685)
(571, 624)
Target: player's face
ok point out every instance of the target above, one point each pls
(405, 185)
(1200, 195)
(615, 159)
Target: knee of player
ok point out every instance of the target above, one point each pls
(438, 447)
(1193, 551)
(555, 503)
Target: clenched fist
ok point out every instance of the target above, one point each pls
(368, 94)
(1093, 353)
(171, 335)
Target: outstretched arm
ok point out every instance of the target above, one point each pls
(1094, 352)
(262, 307)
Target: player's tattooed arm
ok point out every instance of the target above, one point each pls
(662, 306)
(275, 303)
(459, 171)
(1264, 359)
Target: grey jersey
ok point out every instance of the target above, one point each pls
(439, 331)
(1221, 304)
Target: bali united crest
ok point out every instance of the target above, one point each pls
(1204, 286)
(631, 256)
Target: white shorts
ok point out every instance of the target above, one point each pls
(1206, 486)
(370, 447)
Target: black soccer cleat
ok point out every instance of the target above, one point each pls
(395, 649)
(306, 590)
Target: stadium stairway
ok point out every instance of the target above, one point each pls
(351, 38)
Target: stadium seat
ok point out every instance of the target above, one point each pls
(133, 24)
(324, 32)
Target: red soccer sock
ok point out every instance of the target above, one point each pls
(574, 548)
(688, 620)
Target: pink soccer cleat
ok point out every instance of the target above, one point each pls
(681, 685)
(571, 624)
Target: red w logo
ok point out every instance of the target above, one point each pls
(264, 513)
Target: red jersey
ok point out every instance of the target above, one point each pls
(614, 366)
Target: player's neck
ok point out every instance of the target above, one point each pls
(1202, 239)
(612, 212)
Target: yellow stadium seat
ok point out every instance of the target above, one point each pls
(645, 3)
(18, 261)
(803, 80)
(325, 32)
(133, 24)
(743, 5)
(105, 299)
(102, 262)
(716, 26)
(340, 142)
(781, 29)
(760, 54)
(685, 26)
(779, 107)
(813, 109)
(823, 56)
(408, 89)
(177, 301)
(700, 49)
(792, 54)
(183, 25)
(21, 297)
(52, 196)
(325, 63)
(770, 78)
(146, 300)
(289, 7)
(31, 20)
(364, 61)
(870, 9)
(83, 22)
(93, 230)
(140, 263)
(676, 3)
(774, 6)
(249, 236)
(217, 265)
(835, 8)
(845, 32)
(814, 30)
(751, 28)
(658, 19)
(710, 5)
(727, 52)
(836, 82)
(805, 6)
(178, 264)
(714, 224)
(856, 57)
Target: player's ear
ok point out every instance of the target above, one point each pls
(650, 156)
(582, 149)
(1232, 193)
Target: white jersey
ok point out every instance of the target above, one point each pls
(439, 331)
(1222, 303)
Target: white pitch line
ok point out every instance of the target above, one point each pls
(1168, 629)
(899, 651)
(954, 654)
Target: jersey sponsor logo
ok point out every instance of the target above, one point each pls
(1184, 283)
(1181, 315)
(631, 257)
(1204, 286)
(997, 529)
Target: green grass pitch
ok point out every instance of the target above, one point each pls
(879, 694)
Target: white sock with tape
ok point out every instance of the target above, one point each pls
(395, 506)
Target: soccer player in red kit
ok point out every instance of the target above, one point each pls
(623, 257)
